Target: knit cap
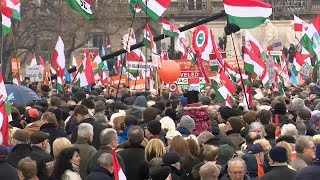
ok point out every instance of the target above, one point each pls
(187, 122)
(170, 158)
(236, 123)
(278, 154)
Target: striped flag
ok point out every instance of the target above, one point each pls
(223, 86)
(33, 60)
(58, 63)
(5, 113)
(252, 63)
(87, 75)
(298, 62)
(252, 44)
(154, 8)
(15, 6)
(148, 38)
(117, 170)
(6, 15)
(169, 29)
(82, 6)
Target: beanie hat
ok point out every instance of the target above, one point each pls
(205, 100)
(167, 124)
(172, 113)
(204, 137)
(278, 154)
(192, 97)
(225, 153)
(33, 113)
(183, 100)
(160, 173)
(154, 127)
(187, 122)
(236, 124)
(170, 158)
(171, 134)
(129, 100)
(99, 106)
(21, 135)
(225, 112)
(136, 112)
(255, 149)
(38, 137)
(140, 101)
(280, 108)
(3, 153)
(149, 114)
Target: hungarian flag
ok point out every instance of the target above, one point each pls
(182, 45)
(247, 97)
(252, 63)
(265, 77)
(136, 54)
(229, 101)
(134, 6)
(169, 29)
(298, 62)
(194, 84)
(58, 63)
(87, 75)
(148, 38)
(315, 72)
(33, 60)
(5, 113)
(279, 83)
(247, 14)
(6, 15)
(16, 79)
(42, 63)
(252, 44)
(82, 6)
(14, 5)
(117, 170)
(311, 40)
(154, 8)
(223, 86)
(164, 55)
(300, 27)
(98, 64)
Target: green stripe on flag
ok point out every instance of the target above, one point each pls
(16, 15)
(248, 67)
(5, 30)
(219, 98)
(246, 22)
(148, 11)
(75, 6)
(147, 43)
(170, 33)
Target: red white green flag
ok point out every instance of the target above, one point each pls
(223, 86)
(5, 113)
(148, 38)
(252, 44)
(87, 75)
(15, 6)
(6, 15)
(58, 63)
(252, 63)
(154, 8)
(299, 61)
(82, 6)
(247, 14)
(33, 60)
(169, 29)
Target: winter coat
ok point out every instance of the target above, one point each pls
(34, 127)
(184, 131)
(311, 172)
(41, 157)
(7, 172)
(311, 129)
(301, 162)
(18, 152)
(123, 136)
(100, 173)
(97, 128)
(236, 139)
(134, 160)
(280, 173)
(86, 152)
(283, 119)
(53, 131)
(70, 175)
(226, 177)
(199, 114)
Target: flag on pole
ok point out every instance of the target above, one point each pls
(6, 15)
(300, 27)
(82, 6)
(252, 63)
(15, 6)
(58, 63)
(87, 75)
(33, 60)
(247, 14)
(154, 8)
(42, 63)
(117, 170)
(252, 44)
(134, 6)
(265, 77)
(228, 101)
(98, 62)
(5, 113)
(148, 38)
(74, 62)
(136, 54)
(194, 84)
(223, 86)
(298, 62)
(311, 41)
(169, 29)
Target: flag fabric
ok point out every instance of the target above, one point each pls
(228, 101)
(265, 77)
(205, 55)
(117, 170)
(99, 65)
(42, 63)
(134, 6)
(6, 15)
(252, 44)
(294, 79)
(223, 86)
(311, 41)
(74, 62)
(298, 62)
(164, 56)
(5, 113)
(136, 54)
(119, 64)
(33, 60)
(300, 27)
(247, 97)
(87, 75)
(82, 6)
(148, 38)
(247, 14)
(252, 63)
(154, 8)
(14, 5)
(181, 45)
(67, 75)
(169, 29)
(58, 63)
(194, 84)
(315, 72)
(16, 79)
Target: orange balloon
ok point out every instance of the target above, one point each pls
(169, 71)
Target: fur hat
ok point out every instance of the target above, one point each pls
(167, 124)
(236, 123)
(250, 117)
(225, 112)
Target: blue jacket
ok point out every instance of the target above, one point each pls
(122, 137)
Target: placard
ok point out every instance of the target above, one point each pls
(35, 73)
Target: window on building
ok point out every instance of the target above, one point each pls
(96, 40)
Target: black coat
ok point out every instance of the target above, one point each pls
(7, 172)
(133, 158)
(280, 173)
(18, 152)
(100, 173)
(97, 128)
(53, 131)
(311, 172)
(41, 157)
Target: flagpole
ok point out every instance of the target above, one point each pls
(239, 69)
(146, 63)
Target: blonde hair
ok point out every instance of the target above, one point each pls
(210, 152)
(154, 148)
(118, 123)
(180, 146)
(264, 143)
(60, 144)
(287, 146)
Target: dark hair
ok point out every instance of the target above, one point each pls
(264, 116)
(130, 120)
(135, 135)
(88, 103)
(81, 109)
(63, 162)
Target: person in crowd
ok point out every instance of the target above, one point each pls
(257, 151)
(186, 125)
(85, 137)
(67, 164)
(104, 170)
(279, 167)
(312, 171)
(160, 173)
(153, 130)
(172, 160)
(99, 112)
(236, 170)
(40, 152)
(33, 118)
(154, 148)
(232, 129)
(305, 153)
(21, 148)
(209, 171)
(129, 121)
(27, 169)
(7, 172)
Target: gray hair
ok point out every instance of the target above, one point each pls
(155, 162)
(298, 103)
(84, 129)
(257, 125)
(302, 143)
(209, 171)
(236, 161)
(107, 136)
(289, 129)
(105, 159)
(301, 127)
(135, 135)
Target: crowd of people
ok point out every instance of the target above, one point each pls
(171, 136)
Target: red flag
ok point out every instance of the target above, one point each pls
(42, 63)
(4, 120)
(316, 23)
(117, 171)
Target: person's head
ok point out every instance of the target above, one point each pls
(20, 136)
(278, 155)
(303, 114)
(280, 108)
(27, 169)
(171, 159)
(69, 159)
(149, 114)
(99, 107)
(209, 152)
(193, 147)
(204, 137)
(60, 144)
(105, 161)
(130, 121)
(305, 146)
(250, 117)
(257, 151)
(160, 173)
(315, 118)
(85, 130)
(49, 117)
(109, 137)
(118, 123)
(152, 129)
(167, 124)
(154, 148)
(287, 146)
(251, 137)
(289, 129)
(234, 124)
(179, 145)
(224, 112)
(265, 117)
(80, 111)
(135, 135)
(297, 104)
(258, 128)
(41, 139)
(236, 169)
(171, 134)
(32, 115)
(209, 171)
(225, 153)
(187, 122)
(301, 128)
(264, 143)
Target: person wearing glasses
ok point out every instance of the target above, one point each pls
(236, 170)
